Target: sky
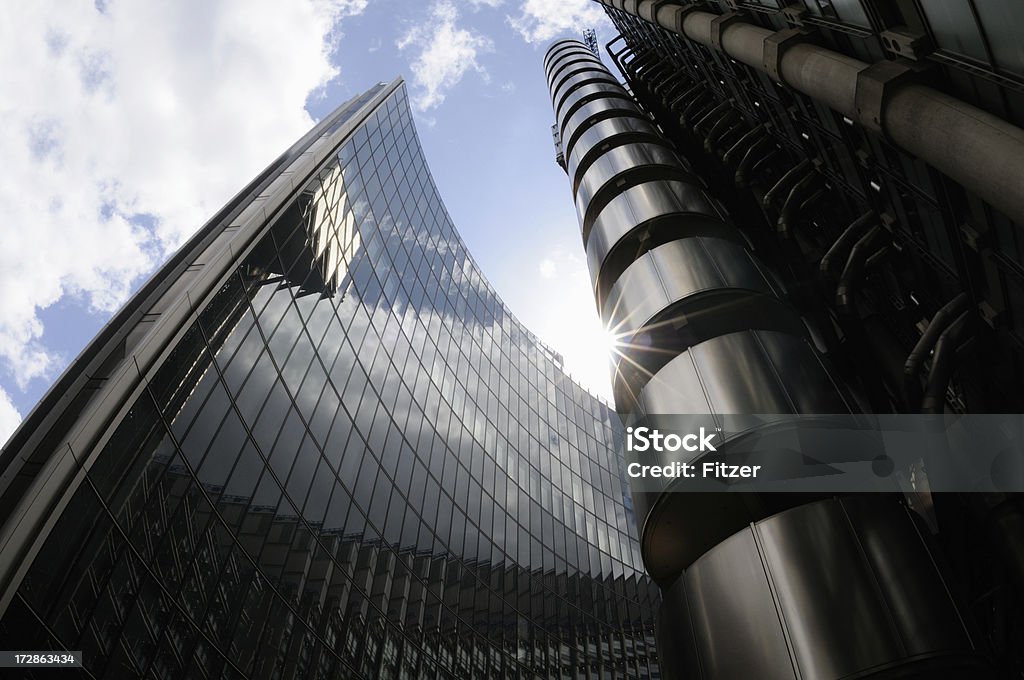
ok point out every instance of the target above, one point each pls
(125, 125)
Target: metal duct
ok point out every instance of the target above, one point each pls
(982, 152)
(825, 590)
(677, 283)
(675, 258)
(708, 330)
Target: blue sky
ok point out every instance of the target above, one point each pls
(125, 125)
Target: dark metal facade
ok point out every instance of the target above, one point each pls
(321, 448)
(810, 209)
(889, 131)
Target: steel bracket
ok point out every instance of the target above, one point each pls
(876, 83)
(718, 25)
(648, 9)
(794, 13)
(776, 44)
(679, 15)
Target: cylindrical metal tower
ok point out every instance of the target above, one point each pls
(765, 586)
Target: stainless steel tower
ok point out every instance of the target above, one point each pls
(755, 586)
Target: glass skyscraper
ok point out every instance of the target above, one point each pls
(317, 445)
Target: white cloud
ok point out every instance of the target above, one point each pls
(445, 53)
(9, 417)
(542, 20)
(486, 3)
(122, 131)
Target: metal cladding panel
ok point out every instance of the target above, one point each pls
(609, 168)
(560, 67)
(647, 201)
(832, 598)
(557, 47)
(586, 72)
(645, 216)
(832, 610)
(746, 372)
(582, 115)
(586, 95)
(675, 388)
(798, 596)
(640, 204)
(910, 600)
(566, 48)
(571, 62)
(564, 52)
(678, 270)
(603, 136)
(766, 372)
(578, 79)
(727, 592)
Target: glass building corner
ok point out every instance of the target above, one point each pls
(322, 447)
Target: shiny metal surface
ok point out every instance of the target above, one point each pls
(813, 590)
(557, 43)
(581, 67)
(583, 96)
(632, 163)
(682, 293)
(648, 201)
(593, 112)
(568, 117)
(975, 148)
(711, 599)
(752, 371)
(603, 136)
(677, 270)
(561, 68)
(654, 212)
(569, 52)
(577, 80)
(557, 47)
(833, 589)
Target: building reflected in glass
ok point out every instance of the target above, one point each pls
(317, 445)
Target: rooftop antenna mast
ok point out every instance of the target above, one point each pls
(590, 40)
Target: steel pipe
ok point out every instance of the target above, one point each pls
(855, 264)
(939, 323)
(754, 153)
(797, 200)
(793, 175)
(946, 346)
(743, 144)
(845, 240)
(980, 151)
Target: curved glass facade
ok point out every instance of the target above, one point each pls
(350, 461)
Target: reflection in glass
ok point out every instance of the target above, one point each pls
(355, 464)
